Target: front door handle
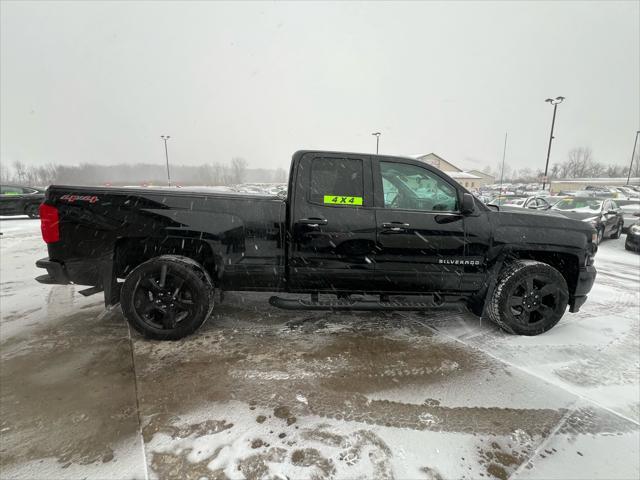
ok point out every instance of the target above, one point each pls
(313, 222)
(395, 226)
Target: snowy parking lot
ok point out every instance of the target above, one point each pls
(264, 393)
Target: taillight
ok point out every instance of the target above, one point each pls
(49, 223)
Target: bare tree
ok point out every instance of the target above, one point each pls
(47, 174)
(5, 174)
(238, 169)
(20, 172)
(581, 164)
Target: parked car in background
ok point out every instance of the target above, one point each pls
(628, 192)
(514, 202)
(16, 200)
(539, 202)
(540, 193)
(599, 189)
(633, 236)
(483, 198)
(535, 203)
(510, 200)
(603, 214)
(629, 209)
(595, 192)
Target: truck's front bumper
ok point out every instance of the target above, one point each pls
(56, 273)
(586, 279)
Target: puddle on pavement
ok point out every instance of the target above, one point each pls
(68, 391)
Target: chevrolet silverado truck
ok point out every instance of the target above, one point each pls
(354, 232)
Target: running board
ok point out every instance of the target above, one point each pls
(362, 305)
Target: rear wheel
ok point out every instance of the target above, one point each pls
(167, 297)
(33, 211)
(530, 298)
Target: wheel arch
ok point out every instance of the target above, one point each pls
(131, 252)
(567, 263)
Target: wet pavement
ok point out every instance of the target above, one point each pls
(263, 393)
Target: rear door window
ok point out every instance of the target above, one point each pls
(337, 182)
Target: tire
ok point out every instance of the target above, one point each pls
(169, 308)
(600, 235)
(618, 231)
(514, 306)
(33, 211)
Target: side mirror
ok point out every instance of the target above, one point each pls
(468, 205)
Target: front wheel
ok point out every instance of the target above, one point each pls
(167, 297)
(530, 298)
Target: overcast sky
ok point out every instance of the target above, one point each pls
(100, 82)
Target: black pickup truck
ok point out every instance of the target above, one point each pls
(355, 232)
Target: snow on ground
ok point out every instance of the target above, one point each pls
(259, 392)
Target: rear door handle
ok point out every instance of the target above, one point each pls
(313, 222)
(395, 226)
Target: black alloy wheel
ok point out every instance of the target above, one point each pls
(530, 298)
(163, 300)
(535, 300)
(167, 297)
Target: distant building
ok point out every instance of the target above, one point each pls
(489, 179)
(472, 179)
(436, 161)
(467, 180)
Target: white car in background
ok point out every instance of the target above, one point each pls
(534, 202)
(629, 209)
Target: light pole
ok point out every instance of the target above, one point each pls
(166, 154)
(554, 102)
(377, 135)
(633, 155)
(504, 154)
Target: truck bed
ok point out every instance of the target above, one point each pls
(236, 234)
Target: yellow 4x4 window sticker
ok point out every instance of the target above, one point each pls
(342, 200)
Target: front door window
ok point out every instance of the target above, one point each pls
(413, 188)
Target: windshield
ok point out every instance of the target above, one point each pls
(579, 205)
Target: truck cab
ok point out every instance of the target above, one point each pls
(377, 224)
